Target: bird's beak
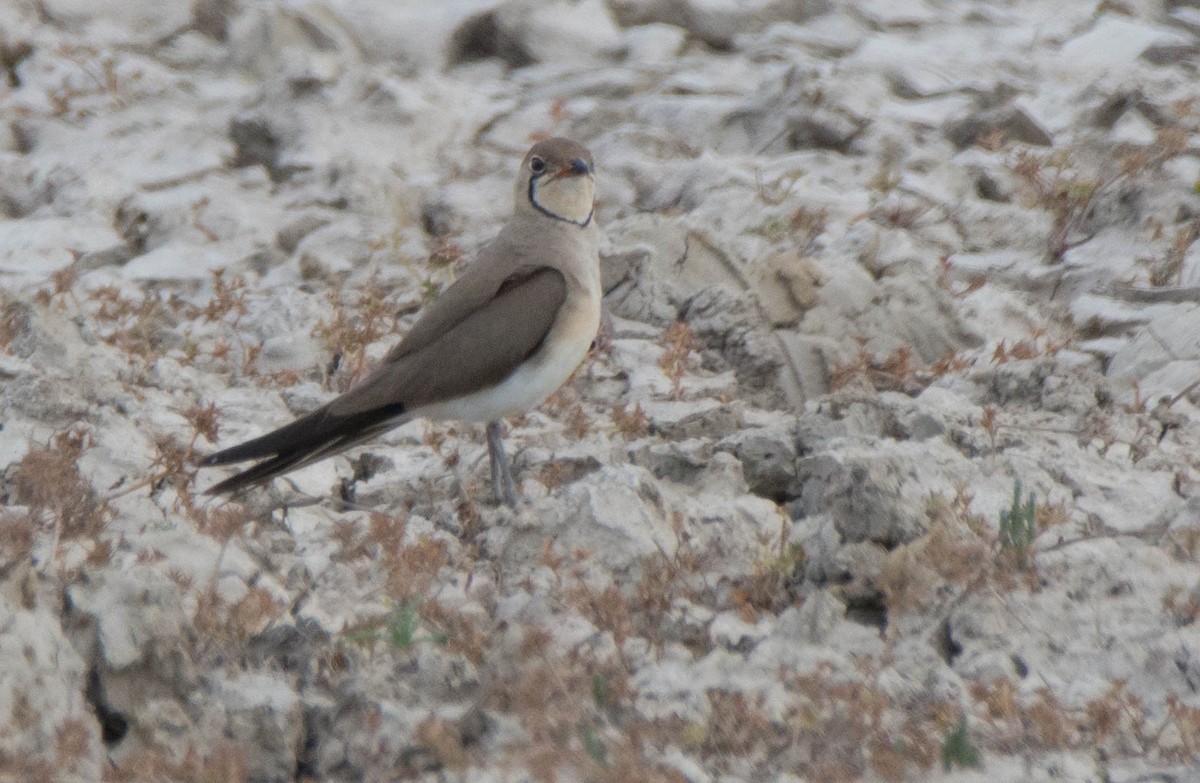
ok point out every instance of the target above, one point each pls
(577, 168)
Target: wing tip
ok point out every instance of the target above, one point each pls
(229, 485)
(232, 454)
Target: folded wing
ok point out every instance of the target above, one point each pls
(472, 349)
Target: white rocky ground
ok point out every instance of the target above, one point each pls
(869, 263)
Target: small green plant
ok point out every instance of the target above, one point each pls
(593, 744)
(399, 630)
(773, 228)
(1018, 526)
(602, 692)
(1058, 185)
(957, 748)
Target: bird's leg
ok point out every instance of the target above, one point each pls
(494, 463)
(502, 483)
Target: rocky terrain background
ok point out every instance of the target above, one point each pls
(885, 467)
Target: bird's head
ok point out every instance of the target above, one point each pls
(557, 179)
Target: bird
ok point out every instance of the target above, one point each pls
(498, 341)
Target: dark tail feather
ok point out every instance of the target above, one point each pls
(262, 472)
(301, 455)
(302, 433)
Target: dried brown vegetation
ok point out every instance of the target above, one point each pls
(58, 498)
(360, 317)
(227, 762)
(677, 342)
(893, 372)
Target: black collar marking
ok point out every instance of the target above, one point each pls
(533, 200)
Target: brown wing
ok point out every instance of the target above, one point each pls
(477, 286)
(479, 349)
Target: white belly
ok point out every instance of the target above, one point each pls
(531, 383)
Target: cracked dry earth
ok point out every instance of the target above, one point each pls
(872, 268)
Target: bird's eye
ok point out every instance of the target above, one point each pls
(537, 165)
